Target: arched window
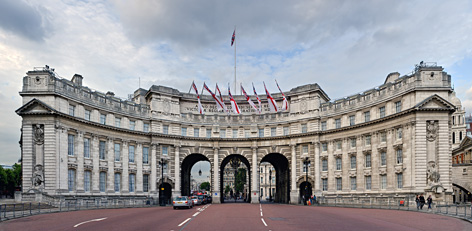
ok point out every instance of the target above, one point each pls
(460, 136)
(453, 137)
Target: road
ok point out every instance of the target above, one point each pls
(238, 217)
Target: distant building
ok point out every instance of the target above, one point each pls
(462, 171)
(268, 180)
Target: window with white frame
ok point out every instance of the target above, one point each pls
(399, 133)
(353, 162)
(261, 132)
(304, 128)
(368, 140)
(339, 164)
(338, 145)
(383, 158)
(102, 181)
(86, 148)
(87, 180)
(101, 149)
(339, 183)
(353, 142)
(87, 115)
(208, 133)
(165, 129)
(367, 116)
(103, 118)
(235, 133)
(399, 180)
(383, 137)
(324, 165)
(145, 183)
(117, 182)
(247, 133)
(117, 152)
(165, 150)
(132, 125)
(353, 183)
(324, 147)
(184, 131)
(131, 153)
(71, 110)
(273, 131)
(383, 181)
(337, 123)
(71, 179)
(368, 182)
(399, 156)
(165, 168)
(305, 149)
(398, 106)
(145, 155)
(325, 184)
(145, 127)
(70, 144)
(382, 112)
(286, 132)
(196, 132)
(323, 126)
(117, 122)
(352, 120)
(368, 161)
(132, 182)
(222, 133)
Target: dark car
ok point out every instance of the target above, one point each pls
(203, 198)
(209, 199)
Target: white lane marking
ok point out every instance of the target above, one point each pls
(184, 221)
(263, 221)
(196, 214)
(81, 223)
(261, 209)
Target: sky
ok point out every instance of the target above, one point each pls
(344, 46)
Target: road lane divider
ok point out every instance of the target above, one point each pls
(81, 223)
(263, 221)
(184, 222)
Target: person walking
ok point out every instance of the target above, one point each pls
(430, 201)
(422, 201)
(417, 200)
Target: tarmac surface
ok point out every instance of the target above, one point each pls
(238, 216)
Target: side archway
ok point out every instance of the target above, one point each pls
(282, 184)
(186, 168)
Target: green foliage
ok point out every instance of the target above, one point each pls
(227, 189)
(240, 180)
(10, 179)
(205, 186)
(3, 180)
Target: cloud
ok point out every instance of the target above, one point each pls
(23, 19)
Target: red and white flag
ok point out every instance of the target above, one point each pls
(234, 105)
(271, 101)
(219, 104)
(200, 108)
(284, 102)
(234, 37)
(248, 99)
(225, 109)
(257, 97)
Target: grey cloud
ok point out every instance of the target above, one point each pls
(21, 18)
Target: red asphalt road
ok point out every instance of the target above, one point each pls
(239, 217)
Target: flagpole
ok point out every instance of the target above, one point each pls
(235, 42)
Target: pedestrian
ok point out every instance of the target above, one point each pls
(417, 200)
(311, 200)
(303, 199)
(314, 198)
(422, 201)
(430, 201)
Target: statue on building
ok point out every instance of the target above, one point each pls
(433, 174)
(38, 134)
(431, 130)
(38, 176)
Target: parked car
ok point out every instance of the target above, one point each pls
(209, 199)
(202, 198)
(182, 201)
(196, 201)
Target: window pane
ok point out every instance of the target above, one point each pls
(87, 179)
(70, 144)
(101, 150)
(117, 152)
(145, 155)
(86, 148)
(103, 181)
(131, 153)
(117, 182)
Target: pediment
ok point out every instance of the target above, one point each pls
(465, 143)
(35, 106)
(435, 102)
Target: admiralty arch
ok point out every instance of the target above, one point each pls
(394, 139)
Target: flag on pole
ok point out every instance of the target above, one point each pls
(234, 105)
(234, 36)
(271, 101)
(225, 109)
(200, 108)
(248, 99)
(219, 104)
(257, 97)
(285, 102)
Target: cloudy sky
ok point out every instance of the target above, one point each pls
(344, 46)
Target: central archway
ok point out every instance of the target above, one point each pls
(282, 177)
(186, 168)
(242, 160)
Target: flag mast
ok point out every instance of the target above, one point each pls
(235, 61)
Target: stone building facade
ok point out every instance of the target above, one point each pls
(394, 139)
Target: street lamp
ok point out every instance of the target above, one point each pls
(161, 186)
(270, 184)
(306, 162)
(234, 163)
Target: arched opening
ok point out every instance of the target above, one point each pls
(305, 191)
(165, 193)
(186, 170)
(282, 177)
(233, 169)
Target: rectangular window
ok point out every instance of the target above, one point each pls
(352, 120)
(399, 180)
(368, 161)
(337, 123)
(399, 156)
(208, 132)
(71, 110)
(71, 180)
(103, 118)
(117, 182)
(353, 142)
(382, 112)
(325, 184)
(145, 183)
(338, 145)
(70, 145)
(305, 149)
(184, 132)
(261, 132)
(304, 128)
(117, 152)
(86, 148)
(145, 155)
(383, 158)
(87, 178)
(339, 183)
(323, 126)
(353, 183)
(324, 147)
(117, 122)
(222, 133)
(145, 127)
(87, 115)
(165, 150)
(273, 131)
(165, 168)
(196, 132)
(353, 162)
(367, 116)
(383, 137)
(246, 133)
(235, 133)
(383, 181)
(131, 153)
(101, 150)
(339, 164)
(368, 182)
(165, 129)
(368, 140)
(398, 106)
(399, 133)
(102, 181)
(286, 131)
(132, 125)
(324, 165)
(132, 180)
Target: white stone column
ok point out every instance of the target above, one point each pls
(255, 198)
(79, 178)
(125, 164)
(293, 187)
(154, 162)
(216, 175)
(177, 191)
(62, 160)
(317, 190)
(28, 162)
(95, 164)
(110, 155)
(139, 167)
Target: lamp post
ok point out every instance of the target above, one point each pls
(235, 162)
(270, 184)
(306, 162)
(161, 186)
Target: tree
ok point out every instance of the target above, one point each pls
(3, 180)
(240, 180)
(227, 189)
(205, 186)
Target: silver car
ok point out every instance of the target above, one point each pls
(182, 201)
